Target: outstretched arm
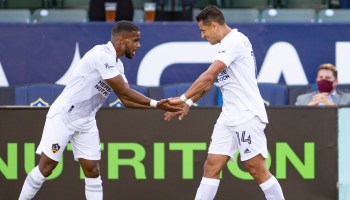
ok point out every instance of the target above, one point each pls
(197, 90)
(205, 81)
(128, 95)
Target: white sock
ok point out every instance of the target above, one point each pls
(272, 189)
(207, 189)
(32, 184)
(93, 188)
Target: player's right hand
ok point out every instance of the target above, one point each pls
(170, 115)
(175, 101)
(164, 105)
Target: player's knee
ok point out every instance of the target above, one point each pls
(46, 170)
(256, 171)
(92, 172)
(252, 169)
(211, 169)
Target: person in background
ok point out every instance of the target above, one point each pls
(125, 10)
(174, 10)
(327, 95)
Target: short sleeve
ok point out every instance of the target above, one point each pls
(229, 52)
(106, 66)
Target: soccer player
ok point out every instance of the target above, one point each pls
(243, 118)
(72, 115)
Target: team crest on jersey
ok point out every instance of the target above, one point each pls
(108, 66)
(55, 148)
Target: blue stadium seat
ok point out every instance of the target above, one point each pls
(344, 87)
(290, 15)
(274, 94)
(295, 90)
(7, 95)
(37, 95)
(113, 100)
(210, 99)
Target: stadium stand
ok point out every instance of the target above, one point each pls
(295, 90)
(60, 15)
(76, 4)
(315, 4)
(45, 94)
(248, 15)
(274, 94)
(195, 12)
(7, 96)
(138, 4)
(37, 95)
(202, 3)
(15, 15)
(334, 16)
(288, 15)
(24, 4)
(344, 88)
(139, 15)
(258, 4)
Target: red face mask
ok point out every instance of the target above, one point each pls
(325, 86)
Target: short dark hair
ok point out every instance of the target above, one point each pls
(123, 27)
(329, 66)
(210, 14)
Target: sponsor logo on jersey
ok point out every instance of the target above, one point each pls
(103, 88)
(108, 66)
(223, 76)
(247, 151)
(55, 148)
(222, 51)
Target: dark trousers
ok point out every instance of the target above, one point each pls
(174, 16)
(344, 3)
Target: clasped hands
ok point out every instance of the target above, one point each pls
(178, 103)
(320, 98)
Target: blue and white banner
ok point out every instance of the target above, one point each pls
(171, 52)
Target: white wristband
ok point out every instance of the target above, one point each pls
(189, 102)
(183, 98)
(153, 103)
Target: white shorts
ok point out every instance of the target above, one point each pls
(56, 136)
(248, 137)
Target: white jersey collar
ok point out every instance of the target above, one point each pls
(228, 35)
(112, 50)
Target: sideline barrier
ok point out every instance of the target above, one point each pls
(145, 157)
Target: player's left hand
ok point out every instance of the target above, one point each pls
(164, 105)
(175, 101)
(170, 115)
(185, 110)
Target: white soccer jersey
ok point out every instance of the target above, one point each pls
(238, 84)
(87, 91)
